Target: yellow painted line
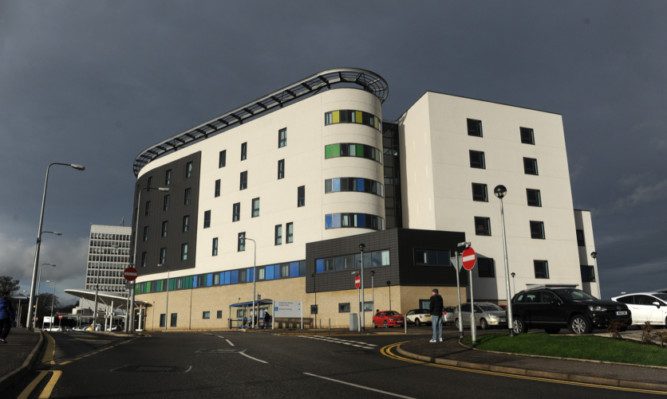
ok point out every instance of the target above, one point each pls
(50, 351)
(386, 351)
(66, 362)
(48, 389)
(28, 390)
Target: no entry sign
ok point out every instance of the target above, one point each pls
(357, 281)
(469, 258)
(130, 274)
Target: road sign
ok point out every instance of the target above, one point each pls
(469, 258)
(130, 274)
(357, 281)
(60, 316)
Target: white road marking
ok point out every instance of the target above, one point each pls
(188, 370)
(229, 342)
(253, 358)
(356, 344)
(359, 386)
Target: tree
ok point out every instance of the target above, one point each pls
(8, 285)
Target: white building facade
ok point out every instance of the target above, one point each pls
(108, 256)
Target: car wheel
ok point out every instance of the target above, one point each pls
(579, 324)
(418, 323)
(386, 325)
(518, 326)
(552, 330)
(483, 324)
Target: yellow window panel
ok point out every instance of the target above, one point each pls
(335, 117)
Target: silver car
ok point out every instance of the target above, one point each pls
(486, 314)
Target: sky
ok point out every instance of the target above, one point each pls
(96, 82)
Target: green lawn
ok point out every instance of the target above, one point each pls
(579, 347)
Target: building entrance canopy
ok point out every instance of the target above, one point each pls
(119, 302)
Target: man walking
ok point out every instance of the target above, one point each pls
(436, 307)
(6, 316)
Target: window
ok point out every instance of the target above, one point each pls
(163, 319)
(352, 150)
(163, 256)
(530, 166)
(187, 196)
(352, 116)
(243, 182)
(145, 233)
(184, 251)
(479, 192)
(165, 202)
(281, 169)
(147, 208)
(149, 183)
(244, 151)
(188, 170)
(587, 274)
(541, 268)
(344, 307)
(206, 315)
(359, 220)
(282, 137)
(536, 229)
(255, 207)
(222, 159)
(279, 234)
(533, 197)
(301, 196)
(290, 232)
(167, 177)
(477, 159)
(207, 219)
(486, 267)
(482, 226)
(143, 259)
(214, 247)
(240, 245)
(474, 128)
(186, 223)
(218, 314)
(358, 184)
(165, 228)
(430, 257)
(174, 318)
(216, 192)
(236, 212)
(527, 136)
(580, 238)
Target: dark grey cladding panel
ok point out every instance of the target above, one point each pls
(402, 271)
(174, 215)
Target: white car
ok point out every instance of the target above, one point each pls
(487, 314)
(646, 306)
(418, 317)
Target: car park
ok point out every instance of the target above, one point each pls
(487, 314)
(418, 317)
(554, 308)
(388, 318)
(646, 307)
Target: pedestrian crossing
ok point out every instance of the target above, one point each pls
(348, 342)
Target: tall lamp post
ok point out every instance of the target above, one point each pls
(254, 278)
(500, 192)
(362, 246)
(594, 255)
(31, 321)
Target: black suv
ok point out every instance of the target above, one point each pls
(555, 308)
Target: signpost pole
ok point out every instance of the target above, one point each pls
(458, 292)
(469, 259)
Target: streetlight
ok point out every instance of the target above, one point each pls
(254, 277)
(39, 238)
(130, 326)
(362, 246)
(594, 255)
(53, 299)
(500, 192)
(166, 302)
(39, 281)
(513, 283)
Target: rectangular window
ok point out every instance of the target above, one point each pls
(222, 159)
(477, 159)
(186, 223)
(587, 274)
(527, 136)
(165, 202)
(301, 196)
(344, 307)
(147, 208)
(530, 166)
(167, 177)
(236, 212)
(486, 267)
(188, 170)
(581, 241)
(214, 247)
(255, 207)
(187, 196)
(474, 128)
(149, 183)
(240, 245)
(165, 228)
(536, 229)
(184, 251)
(174, 318)
(244, 151)
(216, 192)
(207, 219)
(279, 234)
(281, 169)
(290, 232)
(243, 181)
(479, 192)
(218, 314)
(533, 197)
(541, 268)
(163, 256)
(206, 315)
(163, 319)
(282, 137)
(482, 226)
(145, 233)
(144, 259)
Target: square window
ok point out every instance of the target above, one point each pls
(282, 137)
(214, 247)
(255, 207)
(581, 241)
(474, 128)
(536, 229)
(278, 234)
(216, 192)
(533, 197)
(244, 151)
(479, 192)
(236, 212)
(206, 315)
(477, 159)
(527, 136)
(301, 196)
(482, 226)
(243, 182)
(541, 268)
(587, 274)
(240, 245)
(188, 170)
(344, 307)
(207, 219)
(290, 232)
(222, 159)
(486, 267)
(530, 166)
(281, 169)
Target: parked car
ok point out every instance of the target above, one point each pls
(646, 306)
(418, 317)
(388, 318)
(449, 315)
(487, 314)
(555, 308)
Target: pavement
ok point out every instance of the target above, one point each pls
(18, 355)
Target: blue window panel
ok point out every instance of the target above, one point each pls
(209, 279)
(250, 274)
(194, 281)
(336, 220)
(361, 220)
(269, 275)
(360, 185)
(294, 269)
(336, 185)
(225, 278)
(234, 279)
(319, 265)
(328, 221)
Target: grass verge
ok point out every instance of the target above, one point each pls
(579, 347)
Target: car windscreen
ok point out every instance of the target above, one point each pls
(392, 313)
(575, 295)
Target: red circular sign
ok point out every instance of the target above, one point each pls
(357, 281)
(469, 258)
(60, 316)
(130, 274)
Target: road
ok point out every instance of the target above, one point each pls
(265, 365)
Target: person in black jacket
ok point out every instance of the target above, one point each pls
(6, 316)
(436, 307)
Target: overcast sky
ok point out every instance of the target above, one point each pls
(96, 82)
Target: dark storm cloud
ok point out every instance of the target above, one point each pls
(96, 82)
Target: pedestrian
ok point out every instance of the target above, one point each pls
(436, 307)
(267, 320)
(6, 316)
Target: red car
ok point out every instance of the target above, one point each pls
(388, 318)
